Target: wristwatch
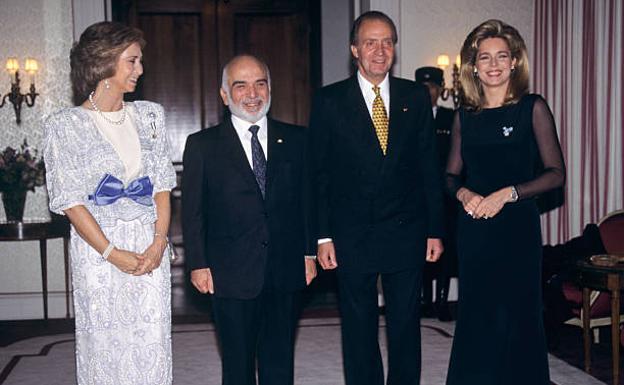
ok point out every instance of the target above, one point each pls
(514, 194)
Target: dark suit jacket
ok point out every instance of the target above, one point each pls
(378, 210)
(247, 242)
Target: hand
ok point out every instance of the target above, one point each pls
(469, 199)
(126, 261)
(152, 256)
(310, 270)
(493, 203)
(326, 255)
(434, 249)
(202, 280)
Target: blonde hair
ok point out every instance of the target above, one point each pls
(519, 80)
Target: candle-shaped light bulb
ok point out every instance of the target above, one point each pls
(31, 66)
(443, 61)
(12, 66)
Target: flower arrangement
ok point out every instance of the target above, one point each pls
(21, 169)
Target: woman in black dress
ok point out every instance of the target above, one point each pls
(504, 153)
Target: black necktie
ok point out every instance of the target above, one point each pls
(258, 159)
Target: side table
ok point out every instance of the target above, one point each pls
(42, 231)
(603, 278)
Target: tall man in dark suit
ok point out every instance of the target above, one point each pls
(378, 202)
(433, 79)
(244, 229)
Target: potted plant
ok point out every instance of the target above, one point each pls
(21, 170)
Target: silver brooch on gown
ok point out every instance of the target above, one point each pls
(507, 130)
(152, 116)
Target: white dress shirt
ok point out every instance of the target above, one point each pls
(435, 111)
(242, 129)
(369, 95)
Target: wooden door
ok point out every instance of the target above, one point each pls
(285, 35)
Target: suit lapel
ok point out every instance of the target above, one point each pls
(275, 142)
(234, 151)
(398, 110)
(360, 118)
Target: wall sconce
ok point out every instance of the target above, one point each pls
(456, 91)
(15, 96)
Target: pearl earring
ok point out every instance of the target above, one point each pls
(106, 85)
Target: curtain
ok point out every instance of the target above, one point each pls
(577, 65)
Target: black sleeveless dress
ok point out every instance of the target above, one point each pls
(499, 336)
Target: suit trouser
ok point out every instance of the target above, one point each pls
(262, 328)
(360, 325)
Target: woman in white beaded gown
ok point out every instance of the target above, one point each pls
(109, 170)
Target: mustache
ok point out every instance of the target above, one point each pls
(248, 100)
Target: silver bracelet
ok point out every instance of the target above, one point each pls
(161, 236)
(168, 247)
(107, 251)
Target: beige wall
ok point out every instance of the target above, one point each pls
(432, 27)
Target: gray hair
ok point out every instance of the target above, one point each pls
(226, 70)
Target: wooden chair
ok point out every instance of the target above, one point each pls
(611, 229)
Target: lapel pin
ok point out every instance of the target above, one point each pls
(404, 109)
(507, 130)
(152, 116)
(280, 141)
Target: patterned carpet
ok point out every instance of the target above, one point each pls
(50, 359)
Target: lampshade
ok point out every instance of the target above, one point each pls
(12, 65)
(458, 61)
(443, 61)
(31, 66)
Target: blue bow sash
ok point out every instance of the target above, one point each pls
(110, 189)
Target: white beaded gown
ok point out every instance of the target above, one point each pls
(123, 322)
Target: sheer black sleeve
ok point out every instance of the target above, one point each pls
(553, 174)
(454, 162)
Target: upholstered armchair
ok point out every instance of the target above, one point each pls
(611, 229)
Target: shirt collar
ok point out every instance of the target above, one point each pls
(242, 126)
(367, 87)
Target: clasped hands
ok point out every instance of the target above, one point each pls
(139, 264)
(479, 207)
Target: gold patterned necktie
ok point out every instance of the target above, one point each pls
(380, 120)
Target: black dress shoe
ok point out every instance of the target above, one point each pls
(427, 310)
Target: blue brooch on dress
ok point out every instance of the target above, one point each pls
(507, 130)
(152, 116)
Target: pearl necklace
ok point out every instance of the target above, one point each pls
(96, 109)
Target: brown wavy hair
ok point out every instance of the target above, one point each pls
(519, 80)
(94, 57)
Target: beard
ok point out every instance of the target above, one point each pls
(239, 110)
